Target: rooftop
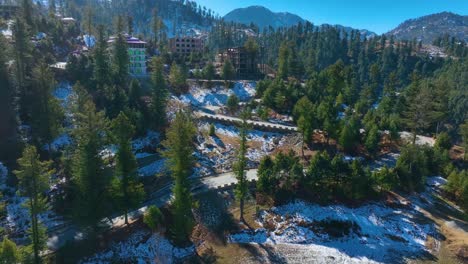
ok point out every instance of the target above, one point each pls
(130, 39)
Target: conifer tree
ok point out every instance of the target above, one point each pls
(27, 12)
(127, 192)
(34, 176)
(159, 94)
(283, 61)
(8, 135)
(304, 111)
(177, 79)
(228, 71)
(102, 71)
(90, 181)
(23, 58)
(464, 135)
(372, 140)
(209, 72)
(120, 57)
(179, 152)
(46, 112)
(9, 253)
(241, 190)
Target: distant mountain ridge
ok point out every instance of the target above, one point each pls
(262, 17)
(429, 27)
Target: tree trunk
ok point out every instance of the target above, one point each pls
(302, 148)
(241, 218)
(126, 217)
(34, 232)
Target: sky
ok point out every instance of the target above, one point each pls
(379, 16)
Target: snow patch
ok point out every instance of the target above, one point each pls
(218, 96)
(138, 248)
(154, 168)
(150, 140)
(378, 233)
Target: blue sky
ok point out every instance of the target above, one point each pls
(379, 16)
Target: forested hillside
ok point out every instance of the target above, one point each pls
(263, 145)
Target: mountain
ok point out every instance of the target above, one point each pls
(427, 28)
(262, 17)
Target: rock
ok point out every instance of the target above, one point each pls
(462, 253)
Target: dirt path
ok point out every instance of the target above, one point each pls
(451, 221)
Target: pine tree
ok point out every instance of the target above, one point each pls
(349, 135)
(419, 111)
(102, 71)
(283, 61)
(232, 103)
(177, 79)
(27, 12)
(46, 112)
(372, 140)
(90, 181)
(134, 94)
(179, 152)
(209, 71)
(9, 253)
(159, 94)
(120, 58)
(240, 165)
(23, 59)
(34, 176)
(153, 217)
(127, 192)
(228, 71)
(8, 135)
(464, 135)
(304, 112)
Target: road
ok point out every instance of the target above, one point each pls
(234, 120)
(420, 140)
(69, 233)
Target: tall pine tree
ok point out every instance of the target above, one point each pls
(179, 152)
(241, 190)
(34, 176)
(89, 178)
(127, 192)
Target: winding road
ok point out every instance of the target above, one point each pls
(71, 232)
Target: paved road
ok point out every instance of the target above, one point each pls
(420, 140)
(235, 120)
(159, 198)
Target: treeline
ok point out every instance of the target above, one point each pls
(331, 177)
(452, 45)
(140, 13)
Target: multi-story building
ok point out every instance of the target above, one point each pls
(186, 45)
(245, 65)
(137, 55)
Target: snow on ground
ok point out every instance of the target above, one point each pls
(143, 155)
(218, 95)
(63, 92)
(376, 232)
(420, 140)
(60, 142)
(216, 156)
(388, 160)
(138, 248)
(151, 140)
(154, 168)
(18, 218)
